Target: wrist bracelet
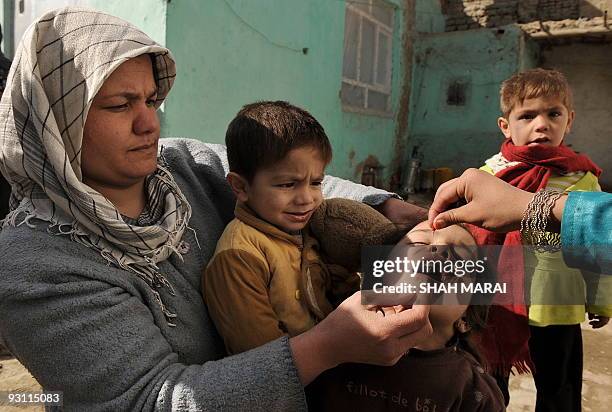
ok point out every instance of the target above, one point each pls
(535, 219)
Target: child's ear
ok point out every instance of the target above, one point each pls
(570, 121)
(462, 326)
(239, 186)
(504, 126)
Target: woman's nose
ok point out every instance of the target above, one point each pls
(146, 120)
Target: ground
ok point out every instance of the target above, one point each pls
(596, 390)
(596, 379)
(15, 378)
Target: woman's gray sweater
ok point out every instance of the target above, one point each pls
(96, 332)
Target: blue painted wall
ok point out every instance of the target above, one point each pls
(461, 136)
(148, 15)
(233, 52)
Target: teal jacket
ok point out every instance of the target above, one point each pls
(586, 231)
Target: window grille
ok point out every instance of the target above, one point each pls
(366, 68)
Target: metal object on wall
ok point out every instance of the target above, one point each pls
(412, 180)
(412, 177)
(368, 176)
(371, 175)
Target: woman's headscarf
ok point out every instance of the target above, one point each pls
(61, 63)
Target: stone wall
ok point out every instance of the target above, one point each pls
(474, 14)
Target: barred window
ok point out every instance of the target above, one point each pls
(366, 68)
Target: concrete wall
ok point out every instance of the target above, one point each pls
(148, 15)
(591, 82)
(233, 52)
(430, 18)
(461, 136)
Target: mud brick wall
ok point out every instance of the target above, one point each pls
(473, 14)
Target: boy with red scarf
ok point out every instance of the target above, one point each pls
(537, 115)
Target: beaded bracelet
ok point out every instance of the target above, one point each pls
(535, 219)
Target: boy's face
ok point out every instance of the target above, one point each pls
(453, 235)
(287, 193)
(541, 120)
(455, 242)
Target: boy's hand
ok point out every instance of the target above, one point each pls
(598, 321)
(400, 212)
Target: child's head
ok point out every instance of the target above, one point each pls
(537, 108)
(454, 317)
(277, 156)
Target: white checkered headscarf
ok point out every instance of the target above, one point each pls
(61, 63)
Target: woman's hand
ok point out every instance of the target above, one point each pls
(352, 333)
(491, 203)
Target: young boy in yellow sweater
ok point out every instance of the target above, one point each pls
(266, 278)
(263, 281)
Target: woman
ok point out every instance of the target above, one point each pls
(102, 252)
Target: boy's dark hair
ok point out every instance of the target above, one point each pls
(476, 319)
(262, 134)
(532, 84)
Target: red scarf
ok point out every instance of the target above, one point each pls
(504, 342)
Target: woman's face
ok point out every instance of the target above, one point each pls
(122, 128)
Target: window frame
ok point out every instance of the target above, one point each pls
(380, 28)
